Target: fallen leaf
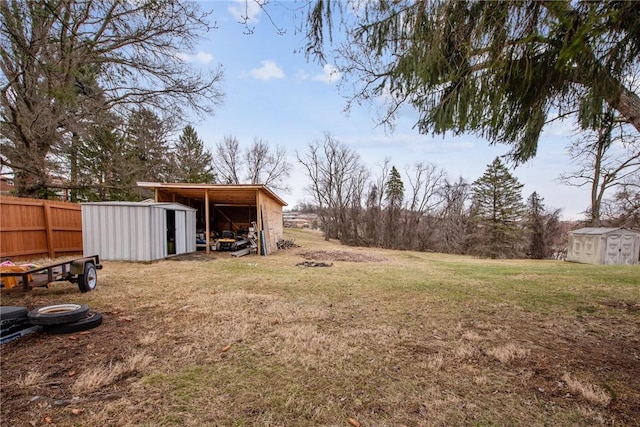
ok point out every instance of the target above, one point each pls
(226, 348)
(72, 373)
(354, 422)
(84, 333)
(77, 411)
(126, 318)
(72, 338)
(48, 419)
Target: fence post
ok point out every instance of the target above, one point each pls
(48, 229)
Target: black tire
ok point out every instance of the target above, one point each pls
(93, 320)
(89, 279)
(58, 314)
(10, 312)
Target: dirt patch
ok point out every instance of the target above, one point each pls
(340, 256)
(631, 306)
(194, 256)
(314, 264)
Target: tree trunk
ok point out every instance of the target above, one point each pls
(73, 166)
(627, 103)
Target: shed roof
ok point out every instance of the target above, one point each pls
(146, 203)
(600, 230)
(233, 194)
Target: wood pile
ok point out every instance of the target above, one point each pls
(286, 244)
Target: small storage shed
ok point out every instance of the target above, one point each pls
(600, 245)
(235, 207)
(137, 231)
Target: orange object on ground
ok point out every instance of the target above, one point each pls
(12, 282)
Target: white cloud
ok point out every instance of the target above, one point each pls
(200, 57)
(245, 11)
(269, 70)
(330, 74)
(302, 75)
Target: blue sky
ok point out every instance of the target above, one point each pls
(273, 93)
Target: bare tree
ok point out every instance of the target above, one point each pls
(623, 209)
(64, 61)
(605, 158)
(267, 166)
(228, 162)
(424, 182)
(373, 217)
(453, 216)
(333, 169)
(258, 163)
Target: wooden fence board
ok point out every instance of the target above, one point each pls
(31, 228)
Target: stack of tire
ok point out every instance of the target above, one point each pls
(53, 319)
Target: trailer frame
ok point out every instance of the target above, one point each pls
(79, 270)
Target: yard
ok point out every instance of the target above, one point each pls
(384, 338)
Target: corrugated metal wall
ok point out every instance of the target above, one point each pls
(117, 232)
(190, 224)
(134, 232)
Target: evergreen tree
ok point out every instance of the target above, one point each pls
(147, 137)
(497, 211)
(372, 218)
(394, 190)
(193, 162)
(500, 69)
(535, 212)
(394, 194)
(105, 161)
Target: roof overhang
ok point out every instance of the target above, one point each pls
(219, 194)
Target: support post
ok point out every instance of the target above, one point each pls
(206, 221)
(48, 229)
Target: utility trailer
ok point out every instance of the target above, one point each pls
(82, 271)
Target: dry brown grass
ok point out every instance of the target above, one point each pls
(404, 339)
(100, 377)
(590, 392)
(32, 379)
(508, 352)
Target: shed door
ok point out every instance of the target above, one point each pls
(171, 232)
(181, 235)
(628, 250)
(613, 249)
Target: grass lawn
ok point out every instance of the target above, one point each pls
(379, 338)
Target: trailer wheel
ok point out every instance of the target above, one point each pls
(93, 320)
(89, 279)
(58, 314)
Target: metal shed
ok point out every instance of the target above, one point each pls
(137, 231)
(600, 245)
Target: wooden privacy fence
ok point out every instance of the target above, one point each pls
(31, 228)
